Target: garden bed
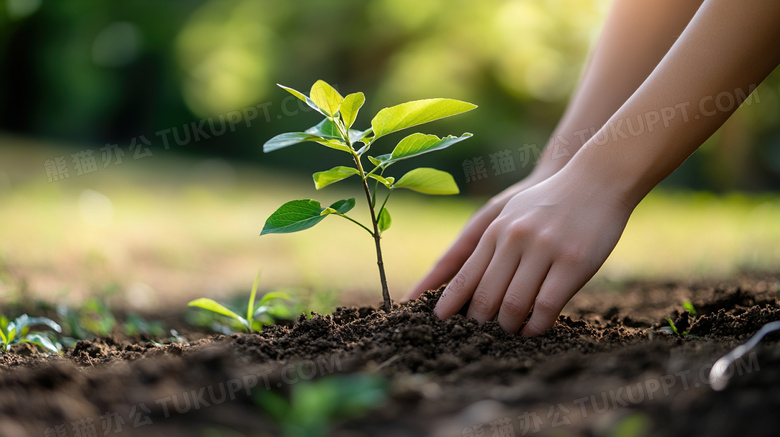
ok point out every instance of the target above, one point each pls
(606, 368)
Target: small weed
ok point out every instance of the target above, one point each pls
(257, 315)
(673, 329)
(314, 407)
(95, 319)
(136, 324)
(18, 331)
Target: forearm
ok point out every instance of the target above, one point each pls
(636, 36)
(727, 50)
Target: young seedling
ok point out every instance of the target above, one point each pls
(257, 316)
(672, 328)
(335, 132)
(136, 324)
(18, 331)
(92, 319)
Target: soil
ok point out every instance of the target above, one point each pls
(606, 369)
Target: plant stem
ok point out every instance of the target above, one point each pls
(373, 195)
(389, 192)
(379, 263)
(355, 222)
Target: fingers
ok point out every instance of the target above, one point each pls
(522, 292)
(489, 293)
(461, 287)
(562, 282)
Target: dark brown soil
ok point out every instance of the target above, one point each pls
(606, 369)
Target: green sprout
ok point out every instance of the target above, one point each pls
(335, 132)
(18, 331)
(689, 307)
(257, 315)
(136, 324)
(93, 318)
(314, 407)
(672, 328)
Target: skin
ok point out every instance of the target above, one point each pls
(661, 65)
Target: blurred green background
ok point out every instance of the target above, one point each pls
(157, 110)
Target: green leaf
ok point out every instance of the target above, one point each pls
(349, 108)
(343, 206)
(409, 114)
(671, 325)
(273, 295)
(40, 340)
(301, 96)
(384, 221)
(327, 129)
(294, 216)
(215, 307)
(290, 138)
(386, 181)
(326, 97)
(325, 178)
(263, 308)
(30, 321)
(336, 144)
(418, 144)
(428, 181)
(689, 307)
(380, 160)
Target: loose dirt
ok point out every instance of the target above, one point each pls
(606, 369)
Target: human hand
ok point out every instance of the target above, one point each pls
(457, 254)
(545, 243)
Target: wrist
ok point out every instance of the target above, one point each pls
(608, 174)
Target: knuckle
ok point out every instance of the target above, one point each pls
(573, 255)
(480, 304)
(513, 307)
(547, 239)
(545, 307)
(457, 284)
(518, 230)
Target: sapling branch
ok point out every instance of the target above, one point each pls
(355, 222)
(336, 133)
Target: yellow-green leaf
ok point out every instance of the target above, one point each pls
(349, 108)
(386, 181)
(290, 138)
(428, 181)
(325, 178)
(214, 307)
(301, 96)
(417, 112)
(384, 221)
(418, 144)
(326, 97)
